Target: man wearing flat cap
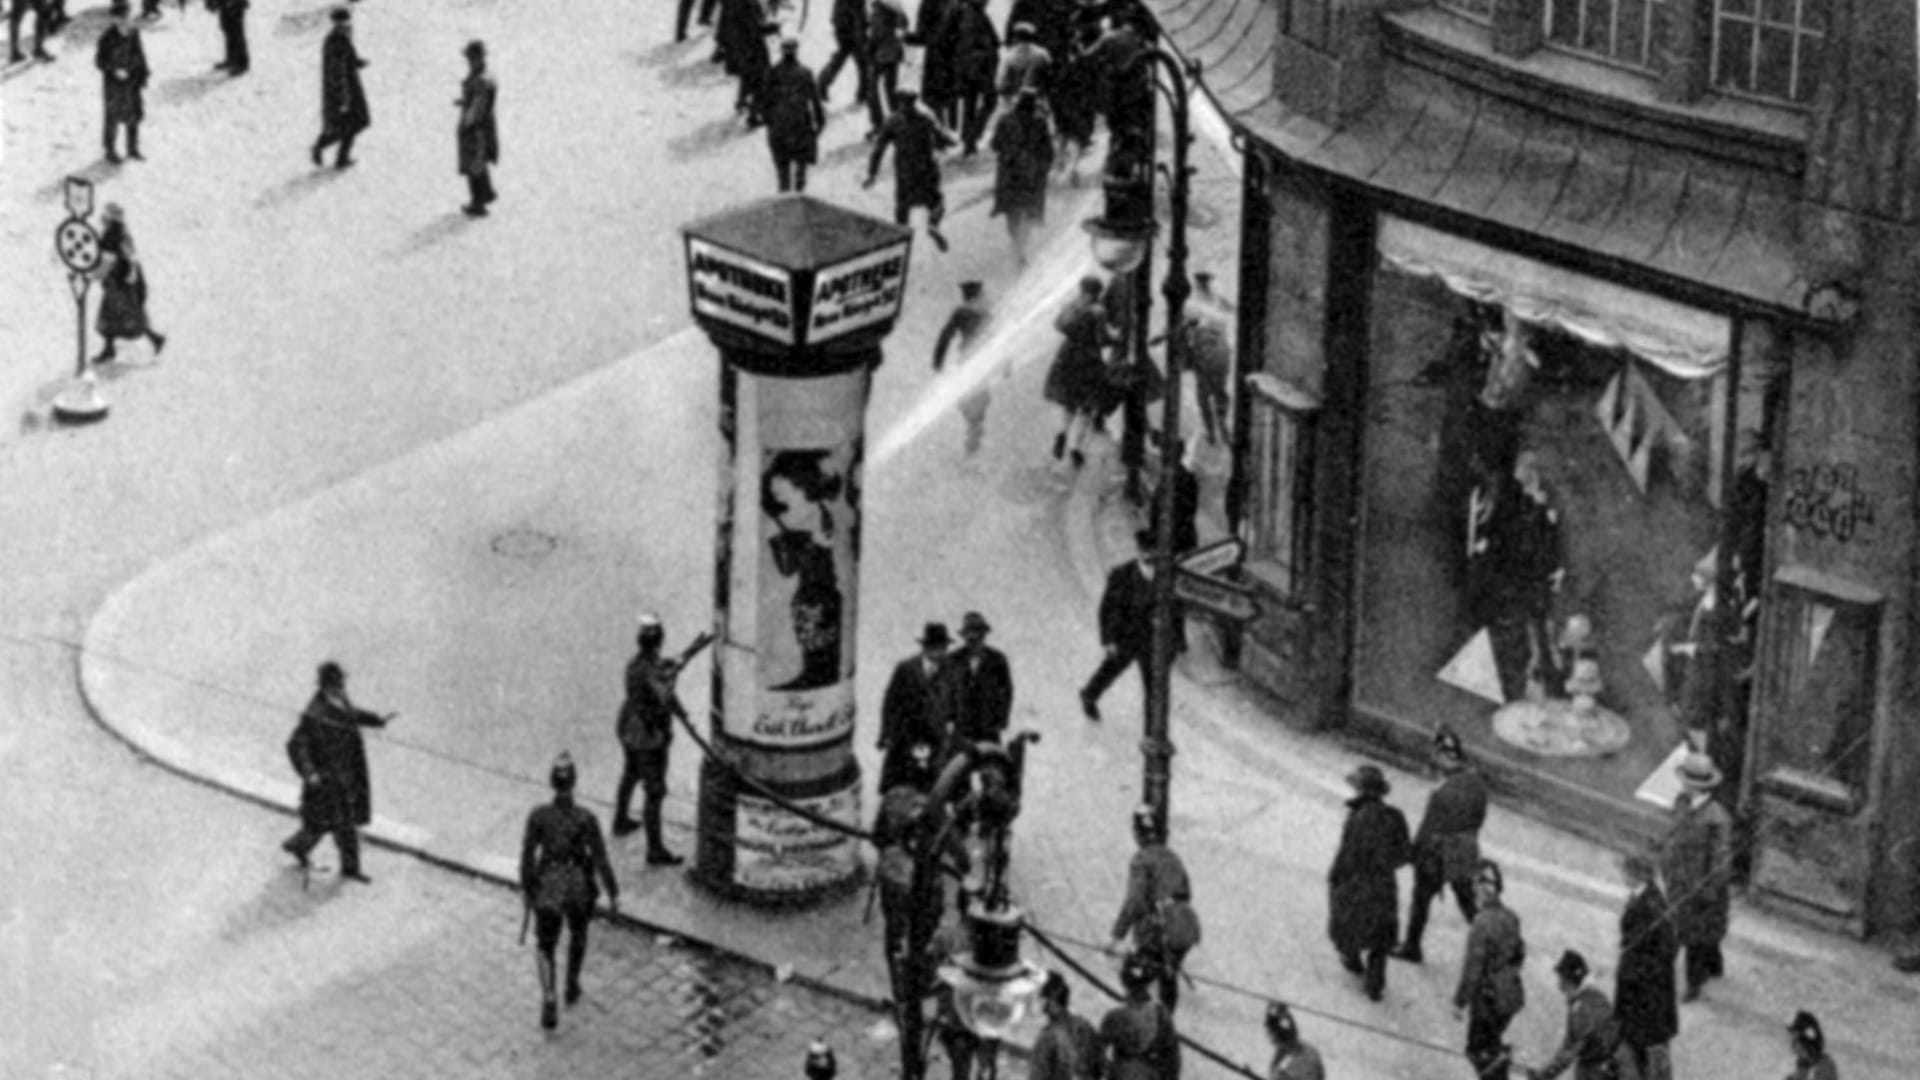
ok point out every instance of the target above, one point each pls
(982, 684)
(1592, 1036)
(1696, 859)
(917, 705)
(1446, 849)
(790, 104)
(1363, 895)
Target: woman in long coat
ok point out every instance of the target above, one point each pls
(1023, 145)
(1363, 896)
(343, 101)
(1077, 381)
(123, 289)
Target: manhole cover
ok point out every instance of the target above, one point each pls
(524, 544)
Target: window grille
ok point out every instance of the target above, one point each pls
(1769, 48)
(1621, 31)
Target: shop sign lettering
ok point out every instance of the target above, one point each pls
(733, 289)
(859, 292)
(1826, 501)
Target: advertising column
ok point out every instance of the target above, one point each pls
(797, 294)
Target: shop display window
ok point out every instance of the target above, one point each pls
(1818, 746)
(1281, 531)
(1541, 508)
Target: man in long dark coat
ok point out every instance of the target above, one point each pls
(1643, 990)
(1126, 626)
(915, 707)
(886, 49)
(849, 43)
(968, 38)
(123, 73)
(1023, 146)
(916, 137)
(982, 684)
(562, 859)
(330, 756)
(791, 107)
(343, 101)
(936, 64)
(1446, 849)
(233, 32)
(742, 37)
(1363, 897)
(1696, 859)
(479, 139)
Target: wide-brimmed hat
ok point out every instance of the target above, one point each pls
(1699, 773)
(1572, 966)
(935, 635)
(1369, 780)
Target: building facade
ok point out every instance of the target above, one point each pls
(1577, 401)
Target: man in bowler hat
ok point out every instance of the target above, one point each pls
(1126, 625)
(915, 709)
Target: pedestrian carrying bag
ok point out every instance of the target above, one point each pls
(1180, 925)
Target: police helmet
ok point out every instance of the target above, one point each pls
(1136, 971)
(563, 774)
(1280, 1023)
(651, 632)
(820, 1062)
(1807, 1034)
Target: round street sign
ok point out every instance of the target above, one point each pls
(78, 244)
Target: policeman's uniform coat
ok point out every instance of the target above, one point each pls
(327, 743)
(1066, 1049)
(1364, 898)
(646, 717)
(1450, 826)
(563, 857)
(1155, 876)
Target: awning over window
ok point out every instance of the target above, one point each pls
(1683, 341)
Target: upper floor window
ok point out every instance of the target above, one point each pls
(1769, 48)
(1617, 30)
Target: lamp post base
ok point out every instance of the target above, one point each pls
(80, 402)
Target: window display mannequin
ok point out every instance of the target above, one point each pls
(1516, 562)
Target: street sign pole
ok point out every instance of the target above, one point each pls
(79, 247)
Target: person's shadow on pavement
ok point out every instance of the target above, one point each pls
(285, 898)
(440, 229)
(709, 138)
(190, 88)
(295, 188)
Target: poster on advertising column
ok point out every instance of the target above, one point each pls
(798, 516)
(778, 851)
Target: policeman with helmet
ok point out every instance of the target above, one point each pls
(646, 732)
(562, 858)
(1292, 1059)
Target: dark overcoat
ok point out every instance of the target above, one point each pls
(1696, 862)
(123, 286)
(790, 104)
(1077, 381)
(1052, 22)
(849, 22)
(982, 694)
(742, 37)
(1022, 143)
(915, 138)
(915, 705)
(1126, 609)
(343, 101)
(327, 745)
(119, 50)
(1644, 1001)
(479, 138)
(1363, 895)
(936, 63)
(969, 39)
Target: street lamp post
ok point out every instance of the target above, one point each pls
(1121, 237)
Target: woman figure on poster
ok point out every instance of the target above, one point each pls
(795, 493)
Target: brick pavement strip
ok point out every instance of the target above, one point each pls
(460, 999)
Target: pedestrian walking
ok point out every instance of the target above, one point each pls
(233, 33)
(1138, 1033)
(1592, 1036)
(972, 45)
(1696, 859)
(917, 137)
(966, 324)
(1068, 1047)
(1022, 146)
(886, 49)
(1363, 896)
(1126, 625)
(982, 684)
(1490, 992)
(330, 756)
(1158, 911)
(1051, 22)
(794, 115)
(1077, 380)
(1810, 1060)
(1186, 496)
(1292, 1058)
(1074, 97)
(685, 12)
(916, 706)
(1122, 78)
(1026, 65)
(42, 23)
(122, 62)
(477, 137)
(820, 1063)
(936, 60)
(645, 729)
(1446, 848)
(563, 864)
(1643, 991)
(343, 101)
(849, 20)
(742, 37)
(123, 289)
